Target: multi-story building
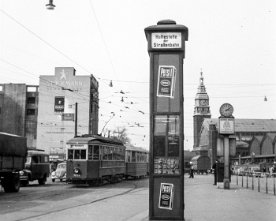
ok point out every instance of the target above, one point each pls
(18, 111)
(68, 106)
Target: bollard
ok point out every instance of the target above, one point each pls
(266, 187)
(252, 182)
(247, 180)
(274, 190)
(242, 180)
(259, 183)
(237, 179)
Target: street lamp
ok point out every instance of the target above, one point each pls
(50, 6)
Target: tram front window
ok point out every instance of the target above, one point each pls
(70, 154)
(80, 154)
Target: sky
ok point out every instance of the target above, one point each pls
(232, 42)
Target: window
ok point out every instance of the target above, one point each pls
(30, 112)
(79, 154)
(31, 100)
(70, 154)
(133, 157)
(35, 159)
(76, 154)
(96, 153)
(90, 149)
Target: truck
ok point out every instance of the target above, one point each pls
(37, 167)
(13, 152)
(201, 164)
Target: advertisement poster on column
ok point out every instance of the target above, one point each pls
(166, 81)
(166, 196)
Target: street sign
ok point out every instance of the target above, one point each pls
(226, 125)
(67, 117)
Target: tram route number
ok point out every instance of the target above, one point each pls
(166, 196)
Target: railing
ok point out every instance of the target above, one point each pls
(264, 181)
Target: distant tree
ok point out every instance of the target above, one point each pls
(120, 133)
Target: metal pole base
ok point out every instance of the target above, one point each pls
(226, 183)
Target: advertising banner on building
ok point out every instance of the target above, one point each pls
(166, 81)
(59, 104)
(166, 196)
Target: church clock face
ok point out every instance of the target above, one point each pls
(204, 102)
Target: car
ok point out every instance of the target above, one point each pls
(59, 173)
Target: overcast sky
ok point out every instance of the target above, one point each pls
(233, 42)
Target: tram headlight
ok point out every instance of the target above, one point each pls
(77, 171)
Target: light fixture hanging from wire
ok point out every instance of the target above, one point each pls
(50, 6)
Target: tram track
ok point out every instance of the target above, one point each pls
(131, 189)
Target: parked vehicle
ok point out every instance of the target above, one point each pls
(201, 164)
(37, 167)
(59, 173)
(13, 152)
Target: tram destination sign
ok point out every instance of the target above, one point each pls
(166, 40)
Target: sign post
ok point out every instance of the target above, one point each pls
(166, 47)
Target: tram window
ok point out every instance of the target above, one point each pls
(105, 152)
(133, 159)
(110, 153)
(83, 154)
(80, 154)
(70, 154)
(96, 153)
(90, 150)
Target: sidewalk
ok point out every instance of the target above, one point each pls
(206, 202)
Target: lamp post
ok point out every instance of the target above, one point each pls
(50, 6)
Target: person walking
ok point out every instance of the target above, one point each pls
(191, 171)
(214, 167)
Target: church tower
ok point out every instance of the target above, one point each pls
(201, 109)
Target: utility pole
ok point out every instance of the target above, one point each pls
(76, 119)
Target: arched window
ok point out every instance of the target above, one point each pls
(255, 147)
(267, 147)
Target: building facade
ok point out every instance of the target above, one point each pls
(18, 111)
(254, 138)
(68, 106)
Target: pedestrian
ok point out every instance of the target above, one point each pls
(191, 171)
(214, 167)
(264, 170)
(274, 169)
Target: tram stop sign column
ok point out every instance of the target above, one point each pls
(166, 48)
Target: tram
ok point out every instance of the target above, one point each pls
(93, 159)
(137, 162)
